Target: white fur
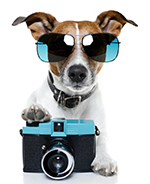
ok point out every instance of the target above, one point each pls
(77, 33)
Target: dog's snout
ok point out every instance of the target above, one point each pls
(77, 73)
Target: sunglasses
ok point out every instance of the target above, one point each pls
(55, 47)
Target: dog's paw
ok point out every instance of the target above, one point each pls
(35, 113)
(104, 166)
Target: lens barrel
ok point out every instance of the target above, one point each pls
(58, 162)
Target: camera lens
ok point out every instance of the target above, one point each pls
(58, 163)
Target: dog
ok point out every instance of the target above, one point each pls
(71, 89)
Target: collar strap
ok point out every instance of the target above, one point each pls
(64, 99)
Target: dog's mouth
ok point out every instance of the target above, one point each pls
(77, 88)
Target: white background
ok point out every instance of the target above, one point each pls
(124, 85)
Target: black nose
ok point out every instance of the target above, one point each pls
(77, 73)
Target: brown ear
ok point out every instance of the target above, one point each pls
(112, 22)
(39, 23)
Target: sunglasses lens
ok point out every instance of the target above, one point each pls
(42, 51)
(54, 47)
(102, 47)
(112, 50)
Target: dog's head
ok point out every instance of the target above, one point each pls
(78, 71)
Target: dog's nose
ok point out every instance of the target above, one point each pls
(77, 73)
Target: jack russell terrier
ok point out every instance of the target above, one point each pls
(76, 52)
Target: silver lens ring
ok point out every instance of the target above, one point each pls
(59, 175)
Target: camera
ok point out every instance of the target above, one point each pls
(59, 147)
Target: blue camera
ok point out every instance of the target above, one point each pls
(59, 147)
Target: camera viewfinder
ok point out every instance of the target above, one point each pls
(58, 127)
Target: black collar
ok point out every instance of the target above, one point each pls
(64, 99)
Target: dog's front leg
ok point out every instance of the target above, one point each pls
(35, 111)
(103, 163)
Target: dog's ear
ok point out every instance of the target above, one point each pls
(38, 23)
(112, 22)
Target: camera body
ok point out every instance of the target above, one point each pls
(59, 147)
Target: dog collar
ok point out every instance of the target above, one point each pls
(64, 99)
